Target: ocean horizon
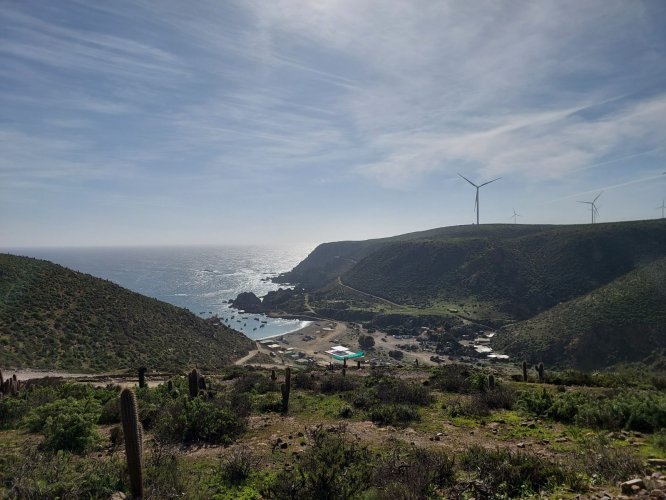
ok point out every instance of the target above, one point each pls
(202, 279)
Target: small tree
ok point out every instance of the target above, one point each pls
(366, 341)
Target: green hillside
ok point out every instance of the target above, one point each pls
(55, 318)
(623, 321)
(519, 270)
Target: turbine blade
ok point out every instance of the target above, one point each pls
(490, 182)
(597, 197)
(588, 202)
(468, 180)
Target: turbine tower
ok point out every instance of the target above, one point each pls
(593, 207)
(514, 216)
(662, 207)
(476, 202)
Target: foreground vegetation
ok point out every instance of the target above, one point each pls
(456, 431)
(54, 318)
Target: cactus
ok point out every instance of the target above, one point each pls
(524, 371)
(358, 365)
(286, 389)
(491, 381)
(2, 381)
(142, 377)
(133, 440)
(193, 383)
(539, 370)
(417, 362)
(202, 383)
(273, 376)
(169, 385)
(344, 371)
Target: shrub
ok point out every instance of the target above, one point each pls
(393, 414)
(189, 420)
(598, 456)
(452, 378)
(333, 467)
(534, 402)
(504, 472)
(413, 473)
(366, 341)
(346, 412)
(304, 380)
(254, 382)
(237, 465)
(394, 390)
(335, 382)
(397, 355)
(66, 424)
(63, 475)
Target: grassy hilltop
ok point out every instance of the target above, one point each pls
(55, 318)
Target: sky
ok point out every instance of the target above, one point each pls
(296, 122)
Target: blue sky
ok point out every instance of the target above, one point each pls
(280, 122)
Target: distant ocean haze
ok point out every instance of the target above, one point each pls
(201, 279)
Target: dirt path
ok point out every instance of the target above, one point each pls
(249, 356)
(386, 301)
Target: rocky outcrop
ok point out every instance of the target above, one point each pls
(249, 302)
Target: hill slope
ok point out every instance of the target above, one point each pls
(55, 318)
(521, 270)
(623, 321)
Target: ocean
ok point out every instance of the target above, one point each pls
(201, 279)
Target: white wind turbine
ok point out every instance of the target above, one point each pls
(593, 207)
(662, 207)
(514, 216)
(476, 202)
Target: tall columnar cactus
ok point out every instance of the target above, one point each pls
(142, 377)
(524, 371)
(201, 383)
(358, 365)
(539, 369)
(193, 382)
(133, 440)
(273, 376)
(2, 381)
(286, 389)
(491, 381)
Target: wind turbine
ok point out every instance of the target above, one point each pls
(593, 207)
(514, 216)
(662, 207)
(476, 202)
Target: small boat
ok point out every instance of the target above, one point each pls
(261, 326)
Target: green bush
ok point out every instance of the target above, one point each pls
(395, 390)
(333, 467)
(413, 473)
(63, 475)
(393, 414)
(190, 420)
(632, 409)
(67, 424)
(503, 472)
(335, 382)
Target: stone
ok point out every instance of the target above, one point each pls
(628, 486)
(521, 445)
(657, 462)
(561, 440)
